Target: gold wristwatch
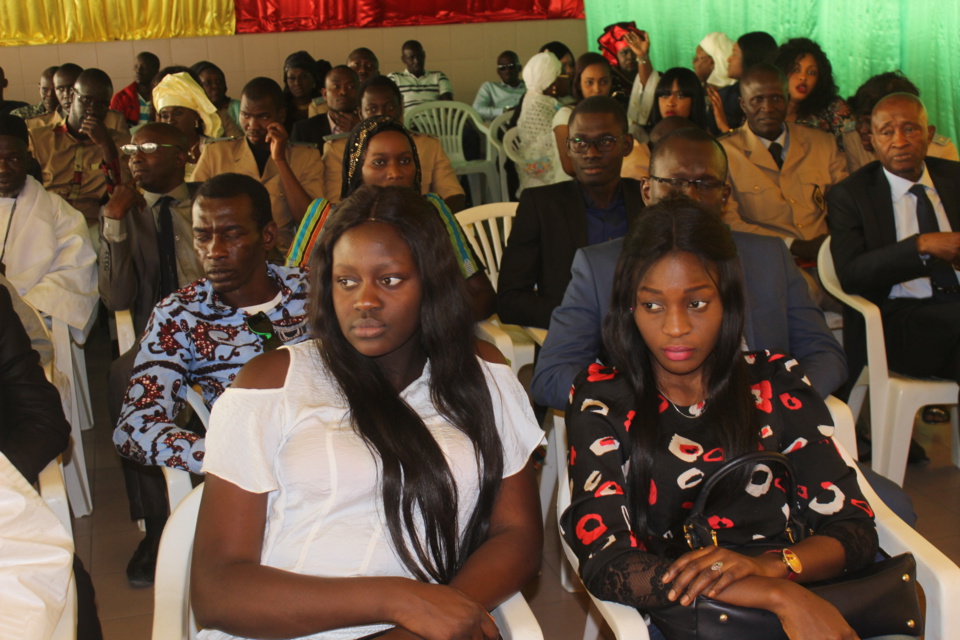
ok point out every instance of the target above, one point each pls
(794, 566)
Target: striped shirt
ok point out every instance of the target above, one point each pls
(430, 86)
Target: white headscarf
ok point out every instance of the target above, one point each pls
(540, 72)
(719, 47)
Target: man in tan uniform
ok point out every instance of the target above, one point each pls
(291, 172)
(780, 172)
(79, 156)
(379, 96)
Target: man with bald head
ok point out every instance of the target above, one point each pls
(79, 156)
(895, 225)
(779, 172)
(780, 313)
(364, 62)
(48, 97)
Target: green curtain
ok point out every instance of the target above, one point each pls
(860, 37)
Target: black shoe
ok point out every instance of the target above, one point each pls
(143, 564)
(935, 414)
(917, 454)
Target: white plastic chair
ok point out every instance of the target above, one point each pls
(68, 373)
(178, 481)
(445, 120)
(498, 128)
(172, 584)
(488, 227)
(939, 577)
(894, 398)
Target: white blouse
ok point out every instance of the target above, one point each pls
(324, 511)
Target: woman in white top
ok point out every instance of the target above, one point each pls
(541, 164)
(374, 481)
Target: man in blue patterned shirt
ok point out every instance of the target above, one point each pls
(205, 332)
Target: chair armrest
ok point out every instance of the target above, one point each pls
(179, 485)
(489, 331)
(516, 620)
(126, 335)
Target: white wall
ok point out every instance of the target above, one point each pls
(467, 53)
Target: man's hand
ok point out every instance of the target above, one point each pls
(807, 249)
(344, 120)
(94, 129)
(277, 138)
(125, 196)
(943, 244)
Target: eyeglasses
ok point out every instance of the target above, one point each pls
(261, 325)
(702, 186)
(91, 102)
(145, 147)
(504, 67)
(602, 144)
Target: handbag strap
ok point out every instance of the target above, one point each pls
(752, 460)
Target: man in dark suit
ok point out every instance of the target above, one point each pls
(781, 315)
(340, 92)
(896, 241)
(146, 253)
(552, 222)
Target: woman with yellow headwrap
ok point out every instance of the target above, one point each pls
(180, 101)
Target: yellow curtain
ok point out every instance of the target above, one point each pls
(62, 21)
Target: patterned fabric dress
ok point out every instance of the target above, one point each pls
(616, 563)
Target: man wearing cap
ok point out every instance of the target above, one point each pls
(46, 252)
(79, 156)
(291, 172)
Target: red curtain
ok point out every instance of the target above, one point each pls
(259, 16)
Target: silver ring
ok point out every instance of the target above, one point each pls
(718, 567)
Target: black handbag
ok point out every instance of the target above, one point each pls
(876, 600)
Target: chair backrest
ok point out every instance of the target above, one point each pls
(499, 127)
(171, 587)
(876, 349)
(512, 144)
(445, 120)
(488, 227)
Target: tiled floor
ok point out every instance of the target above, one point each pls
(106, 539)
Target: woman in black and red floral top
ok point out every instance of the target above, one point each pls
(682, 400)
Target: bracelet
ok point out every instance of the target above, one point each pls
(644, 60)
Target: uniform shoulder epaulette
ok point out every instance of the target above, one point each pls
(425, 135)
(305, 145)
(335, 136)
(223, 139)
(728, 133)
(849, 125)
(940, 140)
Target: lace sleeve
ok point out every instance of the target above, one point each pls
(634, 579)
(859, 540)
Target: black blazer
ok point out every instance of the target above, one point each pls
(313, 129)
(868, 258)
(550, 225)
(33, 429)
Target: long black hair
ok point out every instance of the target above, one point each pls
(688, 83)
(589, 59)
(756, 47)
(825, 90)
(417, 484)
(679, 225)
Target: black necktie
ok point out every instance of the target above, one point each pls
(776, 150)
(942, 276)
(167, 247)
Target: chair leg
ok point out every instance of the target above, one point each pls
(903, 413)
(591, 630)
(476, 193)
(955, 434)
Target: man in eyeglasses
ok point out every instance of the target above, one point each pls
(780, 172)
(80, 156)
(553, 221)
(201, 335)
(780, 313)
(494, 98)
